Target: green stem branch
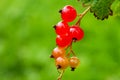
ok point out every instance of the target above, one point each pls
(61, 74)
(71, 51)
(82, 15)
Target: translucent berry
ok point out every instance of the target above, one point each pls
(76, 32)
(62, 62)
(58, 52)
(63, 40)
(74, 62)
(61, 28)
(68, 13)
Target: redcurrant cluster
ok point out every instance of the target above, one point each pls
(66, 35)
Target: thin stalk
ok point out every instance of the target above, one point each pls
(71, 51)
(82, 15)
(61, 74)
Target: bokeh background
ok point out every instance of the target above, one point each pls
(27, 39)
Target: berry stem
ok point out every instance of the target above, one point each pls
(82, 15)
(71, 51)
(61, 74)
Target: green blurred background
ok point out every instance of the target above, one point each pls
(27, 39)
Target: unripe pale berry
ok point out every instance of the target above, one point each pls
(74, 62)
(62, 62)
(58, 52)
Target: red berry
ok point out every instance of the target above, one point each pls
(74, 62)
(58, 52)
(62, 62)
(68, 13)
(61, 28)
(63, 40)
(76, 32)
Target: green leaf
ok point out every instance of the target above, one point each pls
(102, 8)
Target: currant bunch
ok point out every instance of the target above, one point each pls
(66, 35)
